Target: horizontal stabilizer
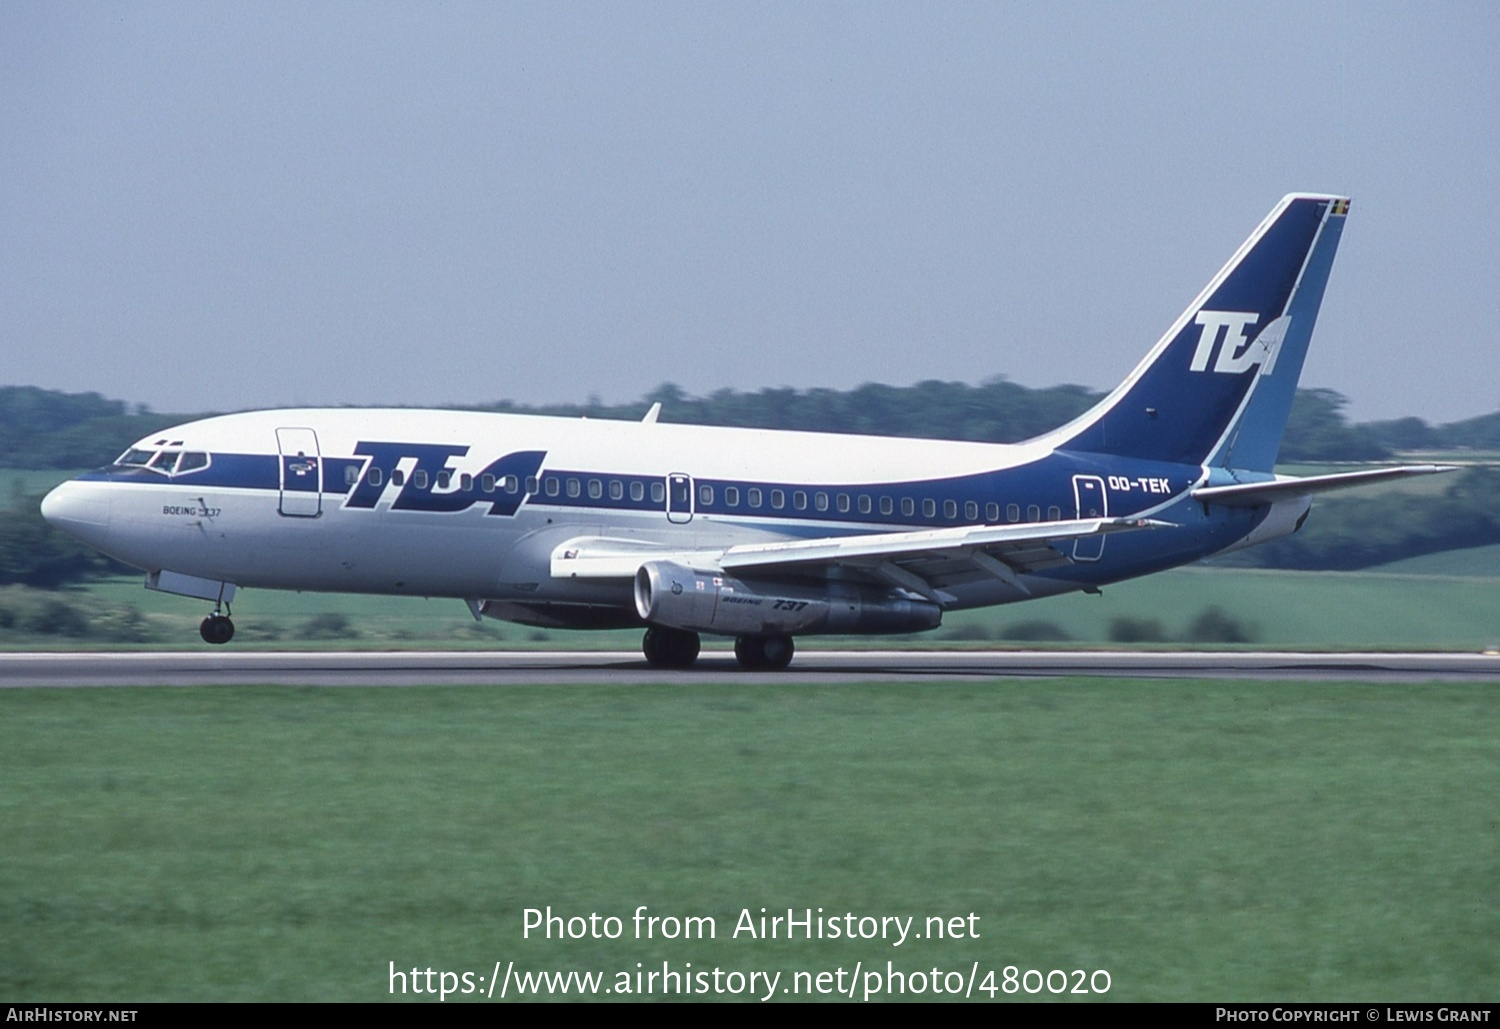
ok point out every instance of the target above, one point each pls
(1253, 494)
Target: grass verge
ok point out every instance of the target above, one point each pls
(1198, 840)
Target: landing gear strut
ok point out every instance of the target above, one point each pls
(217, 628)
(670, 648)
(763, 653)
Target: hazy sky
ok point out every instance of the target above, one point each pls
(231, 205)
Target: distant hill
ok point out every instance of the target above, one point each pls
(43, 428)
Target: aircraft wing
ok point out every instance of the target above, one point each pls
(921, 561)
(1253, 494)
(895, 546)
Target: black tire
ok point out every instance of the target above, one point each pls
(216, 629)
(764, 653)
(652, 648)
(670, 648)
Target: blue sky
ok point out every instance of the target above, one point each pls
(234, 205)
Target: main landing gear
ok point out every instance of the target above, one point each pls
(670, 648)
(678, 648)
(763, 653)
(217, 628)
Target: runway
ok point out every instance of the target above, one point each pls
(626, 668)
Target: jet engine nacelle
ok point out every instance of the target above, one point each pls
(670, 594)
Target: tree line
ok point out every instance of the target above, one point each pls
(42, 428)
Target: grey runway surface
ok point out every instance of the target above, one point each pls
(499, 668)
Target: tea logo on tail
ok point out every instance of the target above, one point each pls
(1236, 354)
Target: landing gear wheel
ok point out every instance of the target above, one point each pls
(763, 653)
(670, 648)
(216, 629)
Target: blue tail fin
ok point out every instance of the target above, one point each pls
(1218, 387)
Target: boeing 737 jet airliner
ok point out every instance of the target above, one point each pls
(752, 534)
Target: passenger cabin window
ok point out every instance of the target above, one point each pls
(778, 499)
(351, 475)
(1012, 512)
(950, 509)
(864, 503)
(443, 479)
(616, 489)
(820, 501)
(705, 495)
(376, 477)
(465, 482)
(753, 493)
(487, 482)
(843, 502)
(574, 487)
(908, 507)
(929, 508)
(732, 496)
(554, 486)
(971, 510)
(398, 478)
(419, 479)
(887, 505)
(1033, 513)
(658, 492)
(596, 489)
(513, 485)
(1054, 514)
(637, 491)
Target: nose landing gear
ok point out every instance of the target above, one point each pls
(217, 628)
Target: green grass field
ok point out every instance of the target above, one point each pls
(1197, 840)
(1482, 562)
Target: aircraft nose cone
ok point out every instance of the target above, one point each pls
(79, 510)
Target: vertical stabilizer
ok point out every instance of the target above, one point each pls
(1218, 387)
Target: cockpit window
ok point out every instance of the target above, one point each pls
(136, 457)
(167, 462)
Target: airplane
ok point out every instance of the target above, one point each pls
(753, 534)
